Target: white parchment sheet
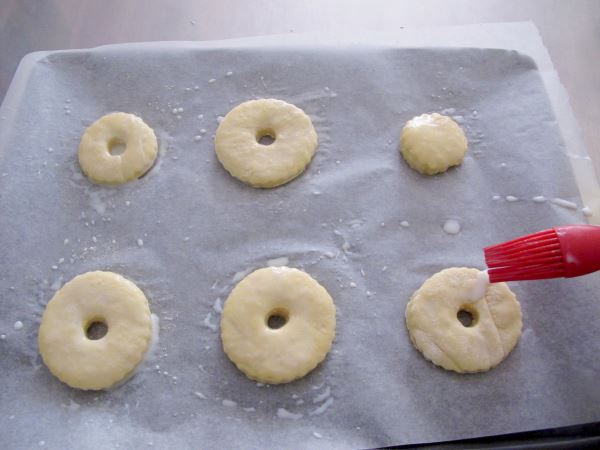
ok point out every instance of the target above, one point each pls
(186, 231)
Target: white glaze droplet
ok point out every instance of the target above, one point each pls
(564, 203)
(539, 199)
(72, 406)
(451, 226)
(96, 203)
(278, 262)
(154, 338)
(404, 224)
(321, 409)
(200, 395)
(283, 413)
(218, 306)
(57, 284)
(229, 403)
(323, 395)
(140, 243)
(239, 276)
(479, 287)
(511, 198)
(587, 212)
(208, 324)
(18, 325)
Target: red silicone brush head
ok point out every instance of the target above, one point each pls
(537, 256)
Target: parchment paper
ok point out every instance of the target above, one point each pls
(186, 231)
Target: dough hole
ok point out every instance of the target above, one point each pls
(116, 147)
(97, 329)
(467, 316)
(277, 319)
(265, 137)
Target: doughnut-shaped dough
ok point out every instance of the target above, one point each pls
(284, 354)
(84, 363)
(95, 156)
(265, 166)
(431, 318)
(431, 143)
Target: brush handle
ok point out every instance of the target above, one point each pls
(580, 247)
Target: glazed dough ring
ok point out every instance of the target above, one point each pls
(432, 143)
(84, 363)
(284, 354)
(95, 156)
(243, 156)
(431, 318)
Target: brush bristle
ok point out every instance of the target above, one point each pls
(534, 257)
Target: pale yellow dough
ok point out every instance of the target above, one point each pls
(100, 165)
(84, 363)
(431, 318)
(265, 166)
(277, 355)
(432, 143)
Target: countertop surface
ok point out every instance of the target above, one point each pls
(570, 30)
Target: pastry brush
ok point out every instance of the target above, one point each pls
(560, 252)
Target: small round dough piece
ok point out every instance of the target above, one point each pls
(117, 128)
(283, 354)
(432, 143)
(243, 156)
(434, 328)
(84, 363)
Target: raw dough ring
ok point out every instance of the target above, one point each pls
(431, 318)
(432, 143)
(284, 354)
(100, 165)
(238, 148)
(84, 363)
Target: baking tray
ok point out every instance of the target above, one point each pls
(187, 231)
